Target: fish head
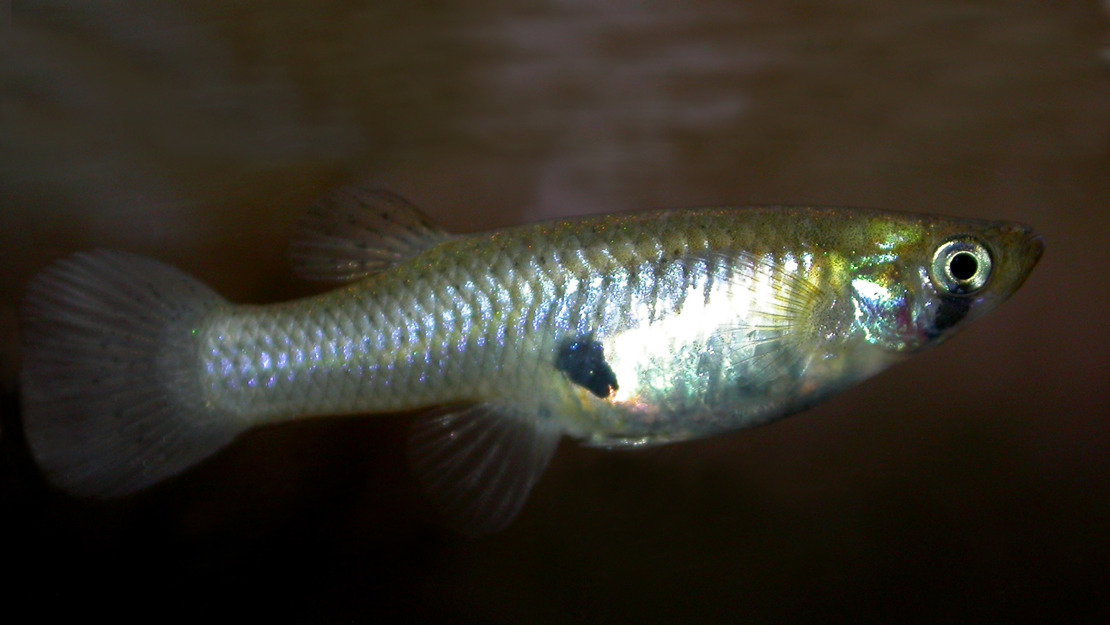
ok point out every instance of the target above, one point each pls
(922, 279)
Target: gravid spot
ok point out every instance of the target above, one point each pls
(583, 360)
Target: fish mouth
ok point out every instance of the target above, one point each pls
(1020, 248)
(1031, 249)
(1034, 247)
(1023, 238)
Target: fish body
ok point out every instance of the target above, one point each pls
(619, 330)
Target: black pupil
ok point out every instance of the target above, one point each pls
(963, 266)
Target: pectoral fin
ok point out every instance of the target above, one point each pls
(480, 463)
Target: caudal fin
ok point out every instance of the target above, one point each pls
(111, 393)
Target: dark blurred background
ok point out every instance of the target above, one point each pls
(969, 485)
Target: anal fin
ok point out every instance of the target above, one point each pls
(478, 464)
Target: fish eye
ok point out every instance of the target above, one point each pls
(961, 265)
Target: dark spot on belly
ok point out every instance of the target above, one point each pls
(583, 360)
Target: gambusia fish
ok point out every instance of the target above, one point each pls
(618, 330)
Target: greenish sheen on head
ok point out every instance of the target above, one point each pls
(916, 283)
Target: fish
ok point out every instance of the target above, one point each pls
(624, 330)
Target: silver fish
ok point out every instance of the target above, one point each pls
(620, 330)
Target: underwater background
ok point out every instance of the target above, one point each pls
(971, 483)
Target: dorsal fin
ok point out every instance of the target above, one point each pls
(354, 231)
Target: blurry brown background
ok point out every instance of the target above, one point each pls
(969, 485)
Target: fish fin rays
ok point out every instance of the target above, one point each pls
(478, 464)
(783, 305)
(754, 310)
(785, 311)
(355, 231)
(782, 299)
(791, 295)
(112, 403)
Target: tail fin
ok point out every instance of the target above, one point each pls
(111, 391)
